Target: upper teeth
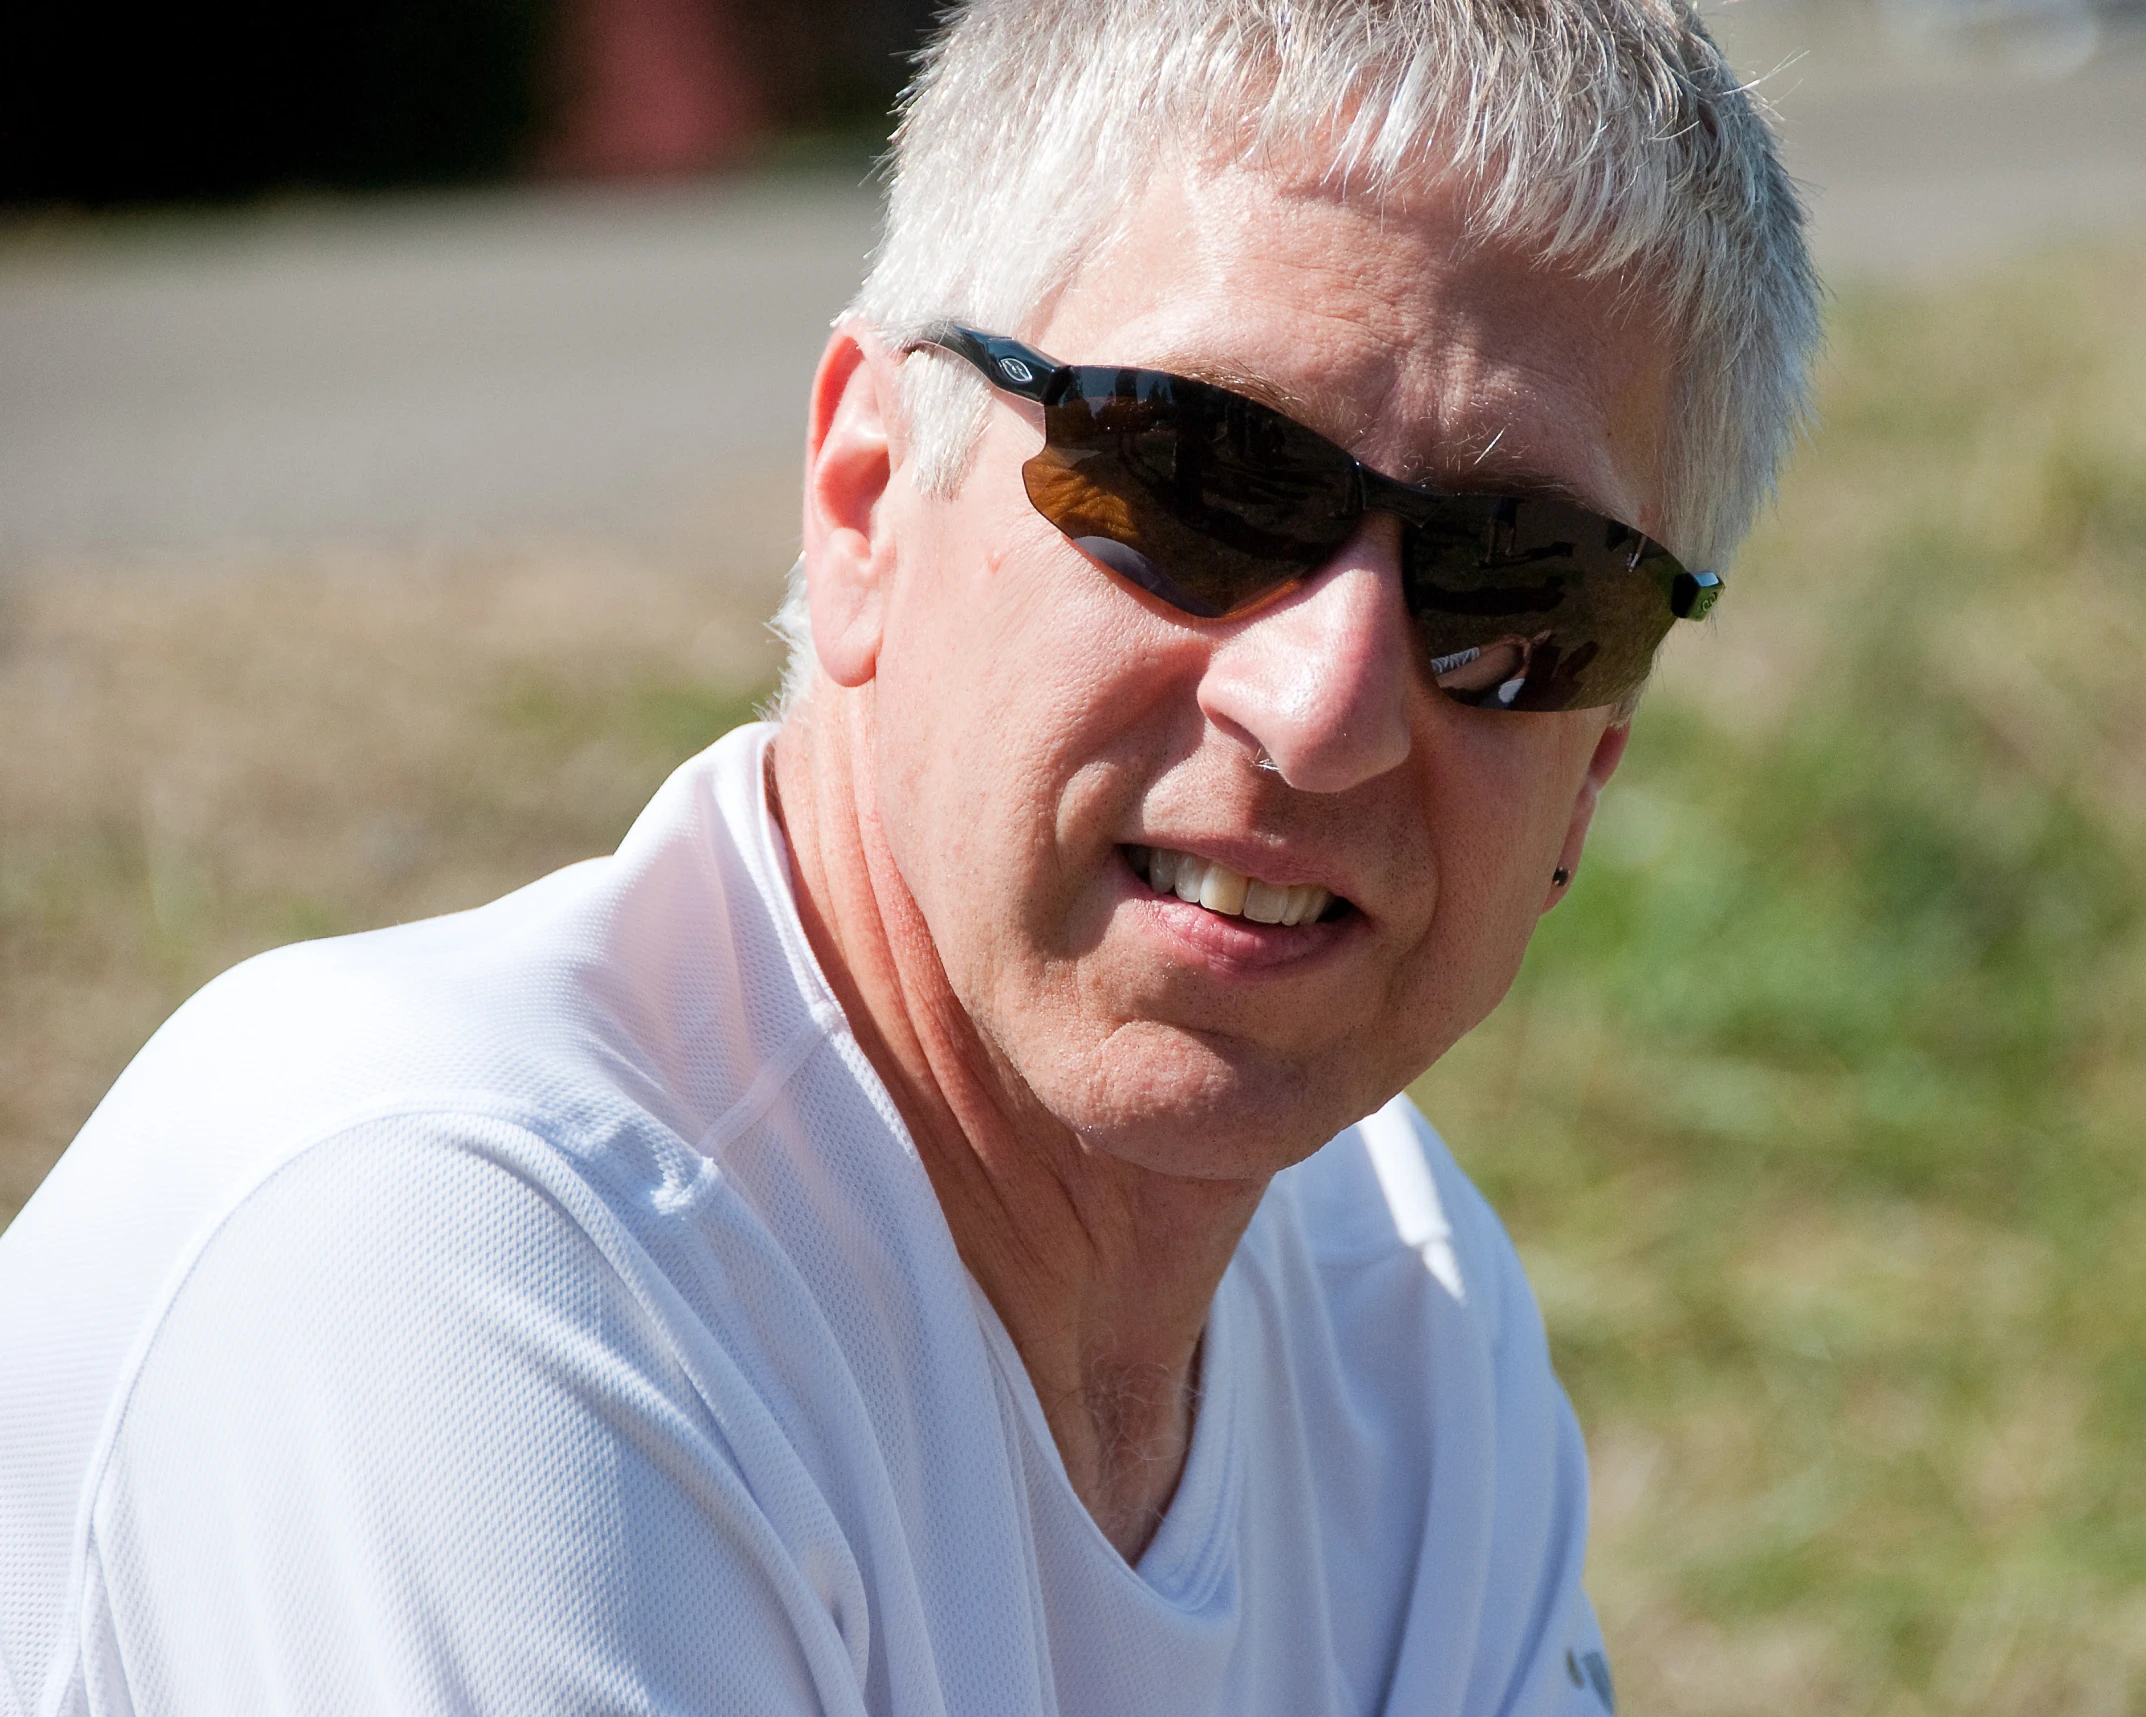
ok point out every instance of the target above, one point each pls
(1220, 889)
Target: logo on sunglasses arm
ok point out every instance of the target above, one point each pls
(1016, 371)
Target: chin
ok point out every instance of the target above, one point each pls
(1210, 1109)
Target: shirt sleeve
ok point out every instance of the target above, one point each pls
(408, 1439)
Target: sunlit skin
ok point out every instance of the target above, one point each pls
(1101, 1081)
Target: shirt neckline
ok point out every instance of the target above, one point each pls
(1184, 1563)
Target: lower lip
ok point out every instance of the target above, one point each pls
(1240, 944)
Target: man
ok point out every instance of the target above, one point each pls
(874, 1244)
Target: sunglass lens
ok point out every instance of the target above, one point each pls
(1535, 604)
(1205, 499)
(1211, 502)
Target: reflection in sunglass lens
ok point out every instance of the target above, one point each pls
(1536, 604)
(1208, 500)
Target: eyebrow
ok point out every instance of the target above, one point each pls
(1505, 474)
(1326, 410)
(1251, 384)
(1516, 474)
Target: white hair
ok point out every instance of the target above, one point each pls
(1607, 136)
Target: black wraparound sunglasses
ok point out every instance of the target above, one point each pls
(1213, 502)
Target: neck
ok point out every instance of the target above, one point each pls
(1102, 1271)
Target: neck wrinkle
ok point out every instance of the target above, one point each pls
(1102, 1272)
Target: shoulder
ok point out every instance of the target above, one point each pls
(1387, 1194)
(1422, 1374)
(567, 1057)
(1402, 1308)
(667, 972)
(645, 993)
(428, 1404)
(407, 1242)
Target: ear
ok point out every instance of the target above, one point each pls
(850, 456)
(1609, 752)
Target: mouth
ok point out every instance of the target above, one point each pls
(1232, 894)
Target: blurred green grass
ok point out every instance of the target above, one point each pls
(1817, 1110)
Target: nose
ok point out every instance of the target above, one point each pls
(1321, 680)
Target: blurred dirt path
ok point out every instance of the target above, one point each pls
(410, 372)
(455, 369)
(1915, 177)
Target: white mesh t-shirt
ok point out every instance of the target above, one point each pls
(543, 1309)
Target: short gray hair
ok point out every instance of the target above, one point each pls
(1609, 136)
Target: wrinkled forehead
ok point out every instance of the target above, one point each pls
(1392, 323)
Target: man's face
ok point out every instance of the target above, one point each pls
(1038, 721)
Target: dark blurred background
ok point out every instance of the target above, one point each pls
(112, 104)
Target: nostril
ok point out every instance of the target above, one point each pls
(1320, 684)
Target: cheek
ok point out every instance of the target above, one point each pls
(1499, 808)
(1010, 699)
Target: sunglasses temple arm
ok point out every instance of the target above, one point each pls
(1692, 595)
(1007, 363)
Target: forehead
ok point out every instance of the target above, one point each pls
(1428, 352)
